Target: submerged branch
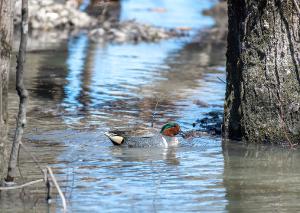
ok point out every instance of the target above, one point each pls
(21, 186)
(47, 175)
(61, 194)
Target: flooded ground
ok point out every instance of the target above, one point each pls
(80, 89)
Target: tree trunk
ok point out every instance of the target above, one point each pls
(263, 83)
(6, 32)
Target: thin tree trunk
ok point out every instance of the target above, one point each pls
(6, 33)
(23, 95)
(263, 84)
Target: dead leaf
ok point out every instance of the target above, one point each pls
(183, 28)
(158, 10)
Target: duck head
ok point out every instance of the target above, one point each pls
(170, 129)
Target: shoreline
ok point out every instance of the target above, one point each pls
(56, 21)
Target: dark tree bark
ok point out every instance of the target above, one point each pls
(263, 81)
(6, 32)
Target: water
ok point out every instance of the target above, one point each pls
(80, 89)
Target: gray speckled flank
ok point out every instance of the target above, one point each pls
(153, 141)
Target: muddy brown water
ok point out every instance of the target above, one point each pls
(79, 90)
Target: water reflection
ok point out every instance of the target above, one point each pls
(138, 154)
(77, 82)
(124, 80)
(261, 178)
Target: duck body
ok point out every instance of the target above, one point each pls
(145, 138)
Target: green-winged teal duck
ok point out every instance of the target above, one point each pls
(137, 137)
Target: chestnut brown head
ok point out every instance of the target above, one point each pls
(170, 129)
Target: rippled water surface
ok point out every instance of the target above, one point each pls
(80, 89)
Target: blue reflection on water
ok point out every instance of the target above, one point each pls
(77, 47)
(121, 68)
(177, 12)
(118, 71)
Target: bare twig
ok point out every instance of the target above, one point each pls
(23, 94)
(153, 114)
(18, 165)
(20, 172)
(221, 80)
(72, 186)
(48, 186)
(21, 186)
(64, 203)
(32, 156)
